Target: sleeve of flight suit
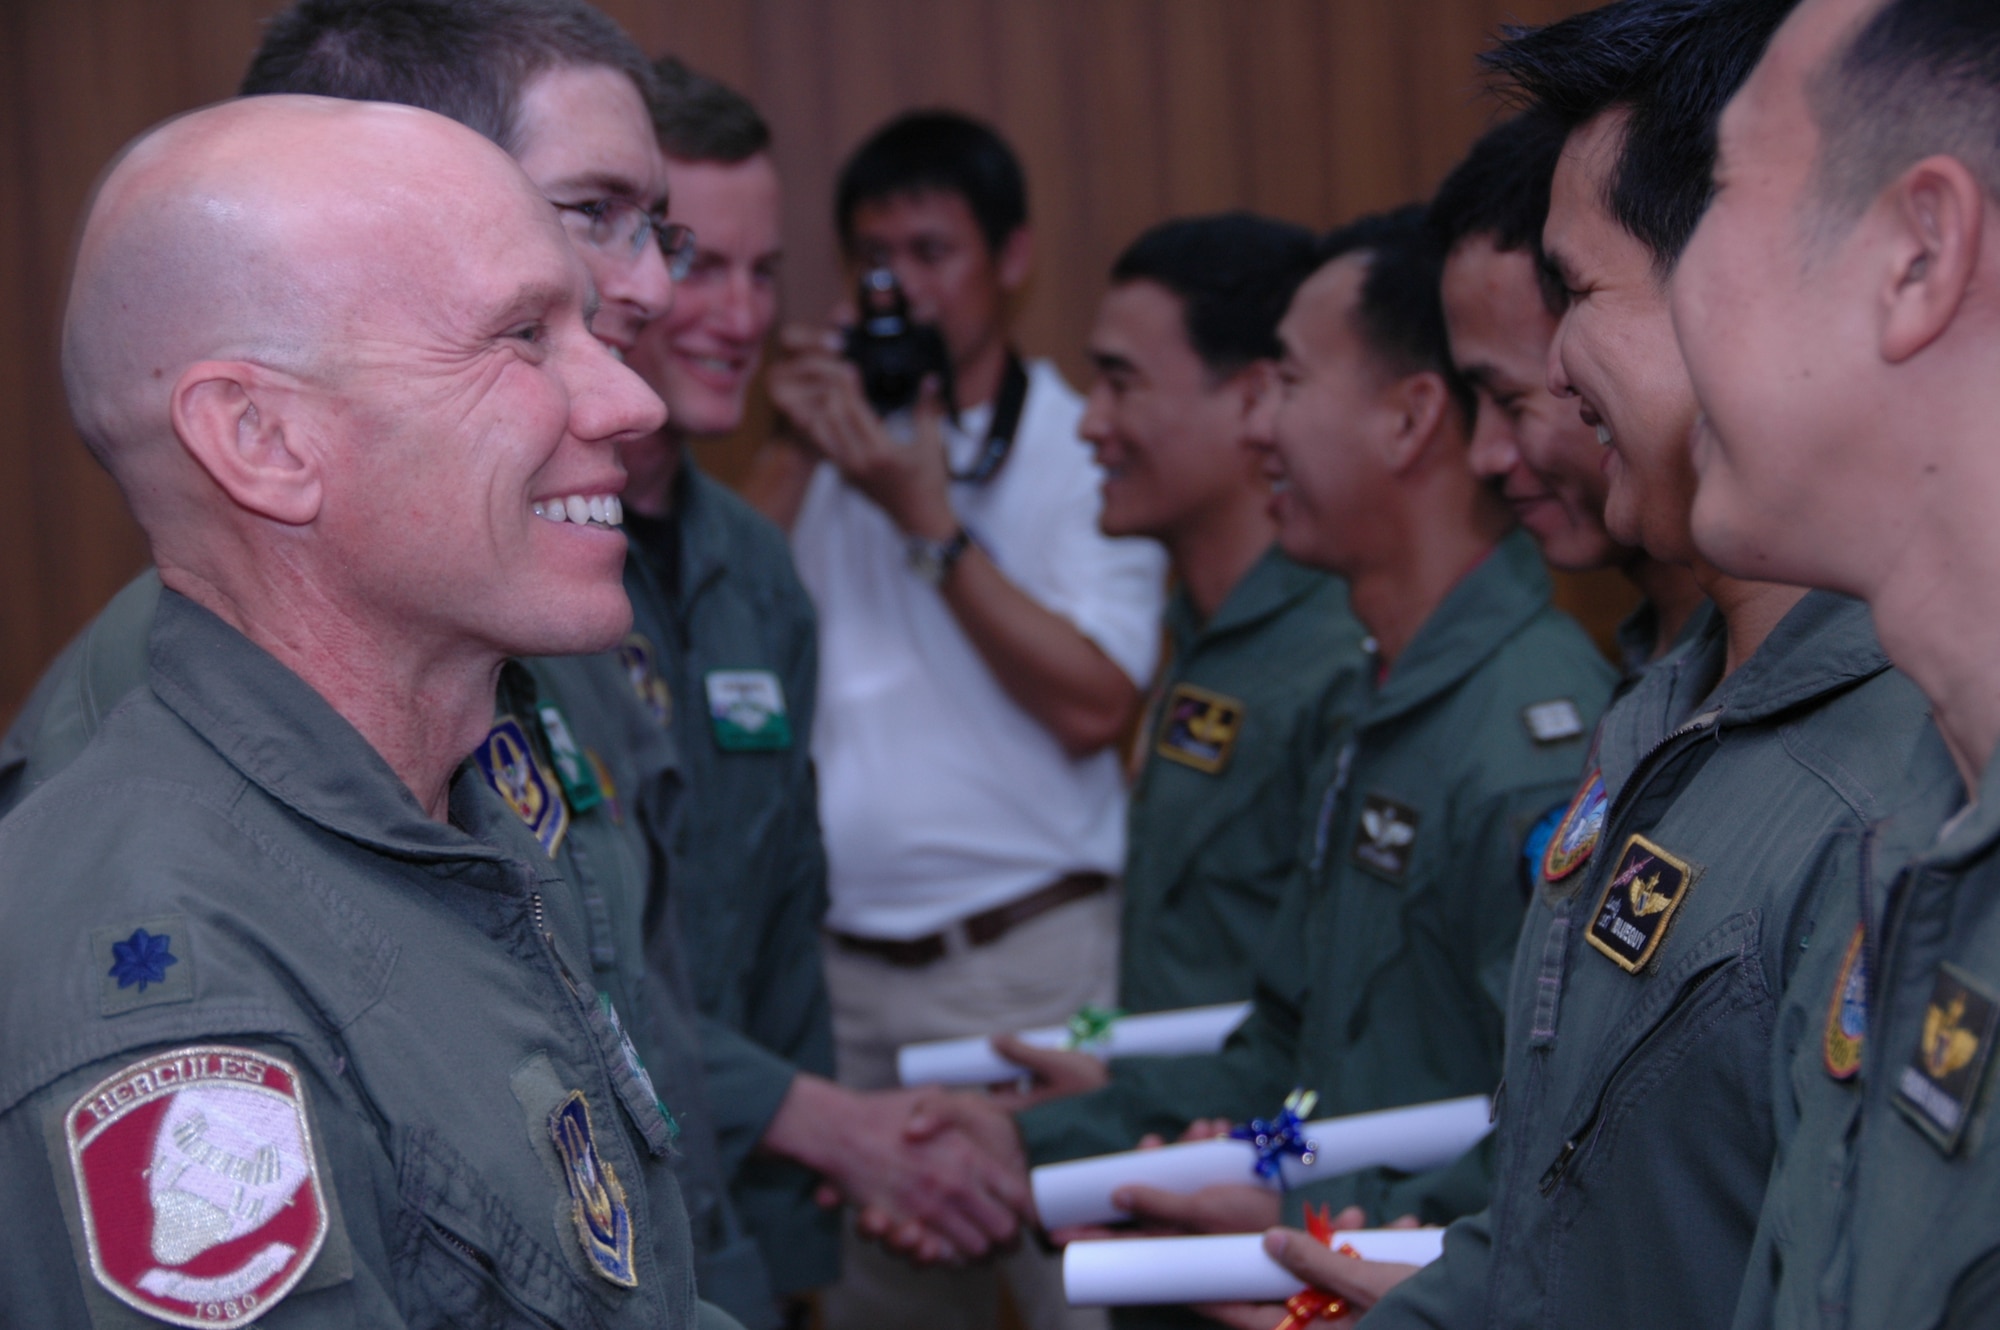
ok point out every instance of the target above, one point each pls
(1449, 1293)
(746, 1084)
(45, 1268)
(1476, 920)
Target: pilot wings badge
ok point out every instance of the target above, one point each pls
(1387, 837)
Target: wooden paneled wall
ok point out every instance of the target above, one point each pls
(1125, 112)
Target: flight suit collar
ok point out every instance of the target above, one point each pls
(1488, 606)
(1273, 585)
(289, 741)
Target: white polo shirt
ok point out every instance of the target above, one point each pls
(939, 796)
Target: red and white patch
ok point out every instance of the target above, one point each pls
(201, 1198)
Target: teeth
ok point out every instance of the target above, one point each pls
(605, 510)
(1604, 434)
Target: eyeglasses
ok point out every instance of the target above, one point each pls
(621, 228)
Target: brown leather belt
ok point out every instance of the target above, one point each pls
(982, 929)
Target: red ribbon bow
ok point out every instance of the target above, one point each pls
(1302, 1309)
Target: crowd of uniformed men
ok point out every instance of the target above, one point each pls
(483, 872)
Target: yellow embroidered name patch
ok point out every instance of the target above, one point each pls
(1639, 904)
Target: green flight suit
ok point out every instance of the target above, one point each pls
(425, 979)
(1383, 980)
(607, 864)
(1213, 826)
(1635, 1136)
(716, 600)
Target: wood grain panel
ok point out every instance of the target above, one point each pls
(1124, 111)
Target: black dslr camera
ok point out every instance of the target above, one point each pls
(894, 353)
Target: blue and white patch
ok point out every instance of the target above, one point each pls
(746, 710)
(597, 1200)
(508, 762)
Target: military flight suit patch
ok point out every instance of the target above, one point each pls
(1387, 835)
(597, 1200)
(199, 1190)
(142, 963)
(1847, 1013)
(746, 711)
(1553, 721)
(1576, 835)
(1937, 1088)
(579, 779)
(1639, 904)
(642, 670)
(507, 760)
(1198, 728)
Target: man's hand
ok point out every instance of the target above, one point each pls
(820, 392)
(946, 1196)
(1057, 1072)
(1360, 1284)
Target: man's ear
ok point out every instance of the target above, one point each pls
(1250, 388)
(1417, 404)
(232, 419)
(1016, 259)
(1936, 220)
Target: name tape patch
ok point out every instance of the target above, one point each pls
(1199, 728)
(199, 1189)
(1553, 721)
(1639, 904)
(1936, 1090)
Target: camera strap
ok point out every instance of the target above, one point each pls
(1000, 432)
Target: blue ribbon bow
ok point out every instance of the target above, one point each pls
(1283, 1135)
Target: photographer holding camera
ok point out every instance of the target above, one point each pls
(982, 648)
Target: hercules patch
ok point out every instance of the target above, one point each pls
(1198, 728)
(597, 1201)
(1937, 1088)
(1386, 836)
(1576, 835)
(746, 710)
(642, 670)
(1552, 722)
(1847, 1013)
(199, 1190)
(507, 761)
(1639, 904)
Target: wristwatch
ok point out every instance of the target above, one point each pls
(932, 560)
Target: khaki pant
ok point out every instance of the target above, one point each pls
(1037, 974)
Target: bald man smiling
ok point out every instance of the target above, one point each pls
(340, 1068)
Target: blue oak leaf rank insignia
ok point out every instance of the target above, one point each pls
(142, 959)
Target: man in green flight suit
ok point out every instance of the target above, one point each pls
(1837, 309)
(1267, 660)
(296, 1022)
(1723, 819)
(1382, 980)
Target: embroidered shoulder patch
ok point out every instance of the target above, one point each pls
(1386, 837)
(597, 1201)
(507, 761)
(1847, 1013)
(1576, 835)
(1639, 904)
(642, 669)
(1198, 728)
(1553, 721)
(199, 1190)
(1937, 1089)
(746, 711)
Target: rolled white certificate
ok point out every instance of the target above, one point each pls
(1153, 1034)
(1409, 1139)
(1232, 1268)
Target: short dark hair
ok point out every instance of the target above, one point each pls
(1673, 64)
(466, 59)
(1501, 189)
(701, 119)
(936, 150)
(1401, 312)
(1234, 273)
(1920, 77)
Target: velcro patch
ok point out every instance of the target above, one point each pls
(1553, 721)
(1937, 1088)
(1199, 728)
(508, 762)
(1386, 837)
(746, 710)
(1639, 903)
(199, 1190)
